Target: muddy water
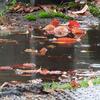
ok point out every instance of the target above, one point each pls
(61, 57)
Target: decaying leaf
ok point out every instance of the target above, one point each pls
(31, 51)
(5, 68)
(85, 8)
(65, 40)
(43, 51)
(55, 22)
(51, 46)
(49, 29)
(74, 84)
(61, 31)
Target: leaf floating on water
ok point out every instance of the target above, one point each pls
(65, 41)
(49, 29)
(73, 23)
(43, 51)
(31, 51)
(24, 66)
(51, 46)
(61, 31)
(77, 31)
(5, 68)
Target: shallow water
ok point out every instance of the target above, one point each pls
(62, 57)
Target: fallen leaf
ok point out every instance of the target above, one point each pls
(49, 29)
(5, 68)
(61, 31)
(55, 22)
(43, 51)
(85, 8)
(74, 84)
(65, 40)
(73, 23)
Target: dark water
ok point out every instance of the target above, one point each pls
(62, 57)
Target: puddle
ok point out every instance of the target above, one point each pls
(58, 57)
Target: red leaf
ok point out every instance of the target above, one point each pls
(73, 23)
(55, 22)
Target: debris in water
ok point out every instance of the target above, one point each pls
(43, 51)
(5, 68)
(65, 40)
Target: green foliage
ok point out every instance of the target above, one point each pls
(94, 10)
(30, 17)
(57, 85)
(52, 14)
(84, 83)
(43, 14)
(72, 5)
(13, 2)
(1, 12)
(96, 81)
(58, 14)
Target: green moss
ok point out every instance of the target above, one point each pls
(58, 14)
(57, 85)
(30, 17)
(84, 83)
(94, 10)
(96, 81)
(43, 14)
(51, 14)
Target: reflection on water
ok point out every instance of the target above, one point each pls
(61, 57)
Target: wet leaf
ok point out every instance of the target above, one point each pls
(31, 51)
(5, 68)
(24, 66)
(74, 84)
(55, 22)
(49, 29)
(65, 40)
(73, 23)
(51, 46)
(61, 31)
(43, 51)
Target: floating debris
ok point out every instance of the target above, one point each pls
(95, 65)
(31, 51)
(5, 68)
(65, 40)
(43, 51)
(51, 46)
(24, 66)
